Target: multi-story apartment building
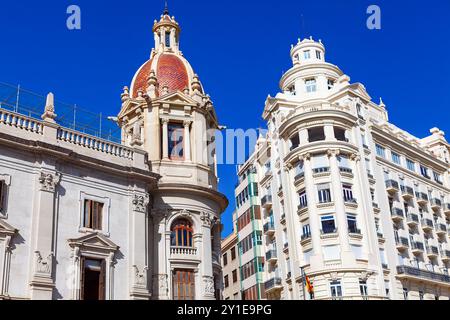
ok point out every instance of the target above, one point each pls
(359, 205)
(249, 227)
(230, 266)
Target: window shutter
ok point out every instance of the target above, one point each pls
(101, 287)
(82, 276)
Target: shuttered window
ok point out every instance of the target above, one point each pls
(183, 285)
(93, 214)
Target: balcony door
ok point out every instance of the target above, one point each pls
(183, 285)
(93, 279)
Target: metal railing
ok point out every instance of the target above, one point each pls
(425, 274)
(392, 184)
(270, 284)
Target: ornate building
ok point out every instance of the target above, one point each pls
(86, 218)
(359, 205)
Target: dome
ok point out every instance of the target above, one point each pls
(171, 71)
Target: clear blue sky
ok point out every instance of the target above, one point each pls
(239, 49)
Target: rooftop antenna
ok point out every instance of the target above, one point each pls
(166, 8)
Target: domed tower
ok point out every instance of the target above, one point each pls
(166, 113)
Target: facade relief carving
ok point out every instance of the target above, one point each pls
(48, 181)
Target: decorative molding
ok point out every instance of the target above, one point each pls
(43, 266)
(140, 202)
(48, 181)
(208, 219)
(140, 278)
(208, 285)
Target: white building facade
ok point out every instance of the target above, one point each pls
(361, 206)
(86, 218)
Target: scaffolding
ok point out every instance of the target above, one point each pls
(28, 103)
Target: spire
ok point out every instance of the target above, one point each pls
(166, 9)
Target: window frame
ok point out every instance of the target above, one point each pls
(105, 227)
(311, 85)
(336, 289)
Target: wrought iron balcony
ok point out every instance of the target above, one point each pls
(427, 224)
(266, 201)
(397, 214)
(269, 228)
(302, 205)
(423, 274)
(441, 228)
(271, 256)
(432, 251)
(273, 284)
(350, 200)
(412, 219)
(407, 192)
(345, 170)
(445, 255)
(435, 204)
(391, 186)
(402, 243)
(422, 198)
(329, 231)
(354, 231)
(417, 247)
(305, 237)
(299, 176)
(321, 170)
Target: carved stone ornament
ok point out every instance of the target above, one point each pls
(208, 218)
(160, 284)
(333, 276)
(49, 181)
(209, 285)
(140, 202)
(42, 265)
(140, 278)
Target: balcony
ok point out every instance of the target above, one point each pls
(447, 208)
(397, 214)
(321, 170)
(328, 233)
(271, 256)
(407, 192)
(269, 229)
(406, 271)
(351, 202)
(346, 171)
(417, 247)
(273, 284)
(427, 224)
(435, 204)
(183, 253)
(305, 238)
(299, 177)
(283, 218)
(432, 251)
(441, 228)
(391, 186)
(266, 201)
(402, 243)
(445, 255)
(422, 198)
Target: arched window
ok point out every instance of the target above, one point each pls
(181, 235)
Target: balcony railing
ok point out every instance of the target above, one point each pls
(441, 228)
(266, 200)
(354, 231)
(271, 255)
(329, 231)
(447, 208)
(427, 224)
(407, 192)
(321, 170)
(421, 197)
(435, 203)
(417, 246)
(445, 255)
(391, 185)
(183, 251)
(345, 170)
(432, 250)
(412, 219)
(272, 283)
(302, 205)
(305, 236)
(350, 200)
(424, 274)
(269, 227)
(299, 176)
(402, 242)
(397, 213)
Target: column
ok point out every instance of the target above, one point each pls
(42, 254)
(165, 139)
(341, 216)
(303, 136)
(139, 266)
(187, 140)
(207, 272)
(329, 132)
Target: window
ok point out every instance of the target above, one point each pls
(328, 224)
(351, 223)
(424, 171)
(410, 165)
(306, 231)
(234, 276)
(167, 39)
(363, 288)
(181, 235)
(318, 55)
(316, 134)
(395, 157)
(437, 178)
(295, 141)
(348, 193)
(405, 294)
(2, 196)
(336, 289)
(226, 281)
(176, 140)
(93, 214)
(330, 84)
(324, 193)
(339, 134)
(225, 259)
(307, 54)
(381, 152)
(233, 253)
(303, 199)
(93, 274)
(311, 85)
(183, 285)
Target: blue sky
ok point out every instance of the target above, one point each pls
(239, 49)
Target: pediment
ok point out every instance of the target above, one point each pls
(94, 241)
(6, 229)
(361, 91)
(177, 98)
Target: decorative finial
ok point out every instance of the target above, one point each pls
(382, 103)
(166, 9)
(49, 111)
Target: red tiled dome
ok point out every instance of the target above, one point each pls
(170, 72)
